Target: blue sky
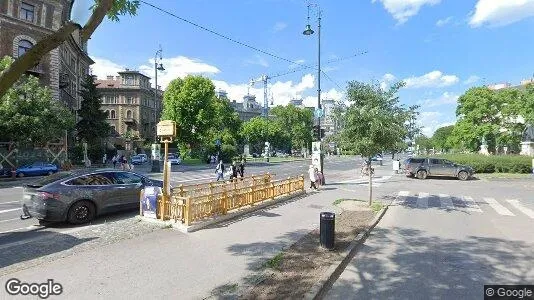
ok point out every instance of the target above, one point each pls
(439, 47)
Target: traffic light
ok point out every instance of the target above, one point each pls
(316, 132)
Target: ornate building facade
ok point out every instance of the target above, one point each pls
(23, 23)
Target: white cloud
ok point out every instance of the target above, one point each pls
(175, 67)
(431, 80)
(387, 79)
(402, 10)
(443, 22)
(258, 60)
(104, 67)
(279, 26)
(472, 79)
(430, 121)
(444, 99)
(500, 13)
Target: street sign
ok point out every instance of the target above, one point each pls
(166, 128)
(318, 113)
(316, 147)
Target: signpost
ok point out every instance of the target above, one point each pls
(316, 155)
(166, 130)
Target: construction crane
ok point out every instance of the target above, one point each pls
(264, 78)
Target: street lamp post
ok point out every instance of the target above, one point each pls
(155, 156)
(309, 31)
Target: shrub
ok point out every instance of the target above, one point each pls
(493, 163)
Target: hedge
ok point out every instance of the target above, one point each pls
(493, 163)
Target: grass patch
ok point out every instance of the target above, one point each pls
(338, 201)
(377, 206)
(274, 262)
(192, 161)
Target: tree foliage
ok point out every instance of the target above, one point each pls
(259, 130)
(190, 103)
(113, 9)
(297, 123)
(374, 121)
(92, 126)
(441, 138)
(29, 114)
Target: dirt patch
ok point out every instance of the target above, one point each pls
(297, 269)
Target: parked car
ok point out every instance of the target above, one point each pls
(377, 157)
(144, 157)
(36, 169)
(81, 195)
(137, 160)
(423, 167)
(174, 159)
(255, 155)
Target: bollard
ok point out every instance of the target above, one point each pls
(327, 230)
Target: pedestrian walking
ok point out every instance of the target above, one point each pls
(219, 170)
(313, 178)
(242, 168)
(105, 159)
(233, 171)
(114, 160)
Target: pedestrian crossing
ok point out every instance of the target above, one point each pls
(503, 207)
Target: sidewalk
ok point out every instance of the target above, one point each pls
(171, 264)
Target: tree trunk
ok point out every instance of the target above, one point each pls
(370, 184)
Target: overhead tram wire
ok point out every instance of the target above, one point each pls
(222, 35)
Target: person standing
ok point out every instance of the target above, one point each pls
(313, 178)
(242, 168)
(114, 160)
(233, 171)
(219, 170)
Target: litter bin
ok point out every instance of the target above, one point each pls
(327, 230)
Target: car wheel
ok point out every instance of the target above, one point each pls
(463, 175)
(81, 212)
(421, 174)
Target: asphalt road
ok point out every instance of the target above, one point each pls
(444, 239)
(10, 197)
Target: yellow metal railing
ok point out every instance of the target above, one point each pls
(192, 203)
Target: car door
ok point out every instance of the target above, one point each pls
(449, 168)
(129, 186)
(436, 167)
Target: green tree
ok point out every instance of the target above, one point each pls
(424, 142)
(92, 126)
(226, 123)
(374, 121)
(479, 116)
(259, 130)
(189, 102)
(441, 136)
(29, 114)
(297, 123)
(112, 8)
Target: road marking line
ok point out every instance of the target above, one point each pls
(446, 201)
(8, 210)
(9, 202)
(422, 200)
(470, 204)
(501, 210)
(527, 211)
(401, 195)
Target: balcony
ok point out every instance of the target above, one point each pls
(130, 121)
(36, 70)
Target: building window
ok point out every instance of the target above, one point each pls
(129, 80)
(24, 46)
(128, 114)
(27, 12)
(113, 115)
(128, 100)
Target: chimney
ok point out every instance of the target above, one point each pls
(110, 77)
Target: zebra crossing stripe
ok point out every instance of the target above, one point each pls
(401, 197)
(446, 201)
(422, 200)
(470, 204)
(501, 210)
(527, 211)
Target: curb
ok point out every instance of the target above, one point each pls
(324, 284)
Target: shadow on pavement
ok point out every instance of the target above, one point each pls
(431, 267)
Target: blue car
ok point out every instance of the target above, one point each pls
(36, 169)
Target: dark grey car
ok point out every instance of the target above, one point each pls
(79, 196)
(423, 167)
